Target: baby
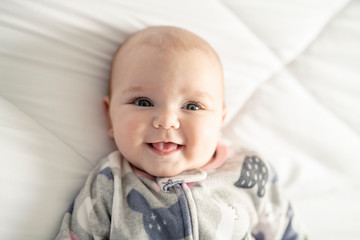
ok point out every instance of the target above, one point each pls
(171, 178)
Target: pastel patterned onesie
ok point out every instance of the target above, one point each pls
(234, 199)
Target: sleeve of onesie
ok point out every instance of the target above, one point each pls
(89, 217)
(276, 219)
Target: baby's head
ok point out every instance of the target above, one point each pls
(166, 101)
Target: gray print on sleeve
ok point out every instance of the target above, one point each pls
(253, 172)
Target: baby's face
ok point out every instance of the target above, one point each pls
(166, 109)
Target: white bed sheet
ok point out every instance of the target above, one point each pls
(292, 71)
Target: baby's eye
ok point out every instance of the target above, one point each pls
(193, 106)
(143, 102)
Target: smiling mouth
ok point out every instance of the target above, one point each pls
(164, 148)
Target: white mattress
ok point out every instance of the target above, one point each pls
(292, 76)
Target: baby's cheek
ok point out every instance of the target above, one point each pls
(210, 133)
(204, 139)
(127, 124)
(130, 125)
(122, 132)
(210, 128)
(131, 131)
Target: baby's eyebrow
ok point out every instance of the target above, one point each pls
(141, 89)
(203, 94)
(133, 89)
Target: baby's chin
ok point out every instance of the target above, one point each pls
(168, 173)
(171, 170)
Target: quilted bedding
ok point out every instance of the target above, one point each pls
(292, 71)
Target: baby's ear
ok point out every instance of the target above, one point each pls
(224, 113)
(106, 105)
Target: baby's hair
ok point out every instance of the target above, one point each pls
(165, 38)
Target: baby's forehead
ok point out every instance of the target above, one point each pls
(168, 39)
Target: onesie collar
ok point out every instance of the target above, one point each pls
(194, 175)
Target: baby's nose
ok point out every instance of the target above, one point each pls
(166, 119)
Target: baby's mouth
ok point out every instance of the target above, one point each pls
(165, 148)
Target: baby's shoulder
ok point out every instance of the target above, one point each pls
(249, 165)
(242, 157)
(112, 166)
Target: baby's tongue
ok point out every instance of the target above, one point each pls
(165, 147)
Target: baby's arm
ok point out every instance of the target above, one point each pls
(276, 219)
(90, 214)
